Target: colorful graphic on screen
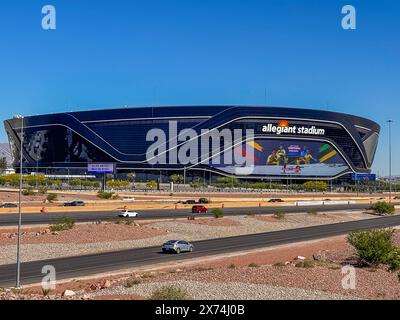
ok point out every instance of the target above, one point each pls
(287, 157)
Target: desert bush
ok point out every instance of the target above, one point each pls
(312, 212)
(279, 215)
(131, 282)
(382, 207)
(51, 197)
(253, 265)
(105, 195)
(374, 246)
(307, 263)
(28, 192)
(45, 292)
(279, 264)
(218, 213)
(232, 266)
(61, 224)
(42, 190)
(394, 259)
(170, 293)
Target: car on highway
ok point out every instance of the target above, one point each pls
(128, 199)
(199, 209)
(187, 201)
(128, 214)
(275, 200)
(177, 246)
(204, 200)
(74, 204)
(8, 205)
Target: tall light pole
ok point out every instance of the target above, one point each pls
(390, 159)
(18, 285)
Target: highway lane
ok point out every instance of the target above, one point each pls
(72, 267)
(90, 216)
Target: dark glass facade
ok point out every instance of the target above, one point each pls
(72, 140)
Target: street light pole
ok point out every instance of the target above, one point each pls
(18, 282)
(390, 159)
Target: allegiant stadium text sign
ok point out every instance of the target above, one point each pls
(283, 127)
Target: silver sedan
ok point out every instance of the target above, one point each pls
(177, 246)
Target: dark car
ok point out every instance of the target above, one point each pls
(275, 200)
(74, 204)
(199, 209)
(204, 200)
(8, 205)
(187, 201)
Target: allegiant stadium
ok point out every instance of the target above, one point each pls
(302, 144)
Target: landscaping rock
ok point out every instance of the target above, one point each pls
(69, 293)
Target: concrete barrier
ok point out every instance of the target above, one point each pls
(324, 203)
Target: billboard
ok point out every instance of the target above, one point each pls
(363, 176)
(276, 157)
(97, 168)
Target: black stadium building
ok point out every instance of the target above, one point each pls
(287, 142)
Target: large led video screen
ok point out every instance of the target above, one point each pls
(275, 157)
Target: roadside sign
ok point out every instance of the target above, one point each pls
(97, 168)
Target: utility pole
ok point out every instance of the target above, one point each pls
(18, 282)
(390, 159)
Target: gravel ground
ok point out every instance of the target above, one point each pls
(82, 233)
(254, 224)
(200, 290)
(176, 229)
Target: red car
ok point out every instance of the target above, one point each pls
(199, 209)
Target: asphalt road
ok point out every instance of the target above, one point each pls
(72, 267)
(89, 216)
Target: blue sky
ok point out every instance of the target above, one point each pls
(113, 53)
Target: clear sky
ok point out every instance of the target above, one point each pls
(167, 52)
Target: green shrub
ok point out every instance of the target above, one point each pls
(374, 246)
(42, 190)
(118, 184)
(170, 293)
(45, 292)
(131, 282)
(123, 221)
(28, 192)
(394, 259)
(382, 207)
(218, 213)
(51, 197)
(105, 195)
(279, 215)
(151, 184)
(75, 183)
(307, 263)
(315, 186)
(61, 224)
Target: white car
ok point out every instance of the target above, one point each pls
(128, 199)
(128, 214)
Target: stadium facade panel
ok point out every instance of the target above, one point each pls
(300, 143)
